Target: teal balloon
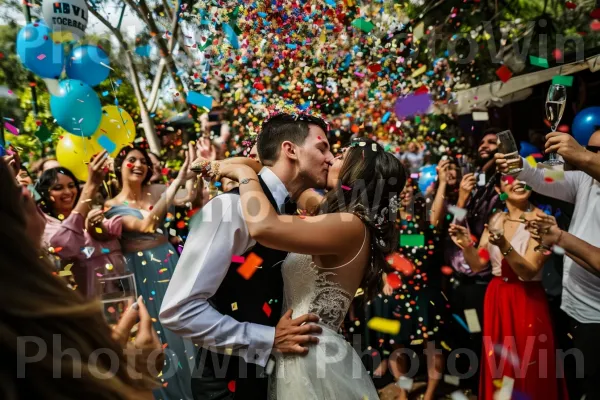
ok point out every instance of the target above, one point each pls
(586, 122)
(77, 108)
(427, 176)
(38, 52)
(85, 63)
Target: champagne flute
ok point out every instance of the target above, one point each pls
(555, 106)
(508, 147)
(496, 224)
(117, 293)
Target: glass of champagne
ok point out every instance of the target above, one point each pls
(496, 224)
(508, 147)
(117, 293)
(555, 106)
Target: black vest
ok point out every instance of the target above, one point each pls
(257, 300)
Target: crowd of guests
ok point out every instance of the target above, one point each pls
(468, 274)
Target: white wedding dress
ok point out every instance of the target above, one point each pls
(332, 369)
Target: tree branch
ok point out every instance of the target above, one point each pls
(165, 49)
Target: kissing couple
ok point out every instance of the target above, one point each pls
(263, 291)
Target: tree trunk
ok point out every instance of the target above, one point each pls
(147, 122)
(156, 85)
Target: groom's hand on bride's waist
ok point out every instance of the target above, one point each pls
(292, 336)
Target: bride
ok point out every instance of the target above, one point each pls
(331, 255)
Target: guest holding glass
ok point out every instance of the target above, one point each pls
(150, 256)
(93, 252)
(518, 336)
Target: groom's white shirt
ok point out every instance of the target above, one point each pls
(217, 232)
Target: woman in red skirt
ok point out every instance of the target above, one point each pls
(518, 357)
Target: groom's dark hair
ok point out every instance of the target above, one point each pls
(281, 128)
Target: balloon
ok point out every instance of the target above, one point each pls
(428, 175)
(77, 109)
(117, 125)
(586, 123)
(528, 149)
(67, 18)
(38, 52)
(74, 152)
(85, 63)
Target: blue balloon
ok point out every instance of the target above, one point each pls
(38, 52)
(85, 64)
(428, 174)
(528, 149)
(586, 123)
(77, 109)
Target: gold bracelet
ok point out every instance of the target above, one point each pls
(507, 252)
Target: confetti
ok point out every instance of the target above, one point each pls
(250, 265)
(472, 320)
(267, 309)
(504, 73)
(412, 104)
(238, 259)
(384, 325)
(538, 62)
(563, 80)
(107, 144)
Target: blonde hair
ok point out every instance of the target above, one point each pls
(36, 307)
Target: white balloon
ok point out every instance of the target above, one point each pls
(67, 18)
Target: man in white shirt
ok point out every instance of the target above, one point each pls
(236, 319)
(581, 287)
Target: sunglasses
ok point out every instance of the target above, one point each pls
(593, 149)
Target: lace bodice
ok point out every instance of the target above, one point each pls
(311, 289)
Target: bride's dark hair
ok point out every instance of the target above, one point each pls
(369, 186)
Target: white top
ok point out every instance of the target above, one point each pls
(519, 242)
(217, 233)
(581, 293)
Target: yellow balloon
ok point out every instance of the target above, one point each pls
(117, 125)
(75, 152)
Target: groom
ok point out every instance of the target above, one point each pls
(235, 320)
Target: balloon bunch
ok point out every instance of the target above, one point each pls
(49, 50)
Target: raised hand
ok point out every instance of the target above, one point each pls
(466, 187)
(205, 149)
(565, 145)
(544, 229)
(97, 168)
(148, 353)
(443, 171)
(460, 236)
(502, 163)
